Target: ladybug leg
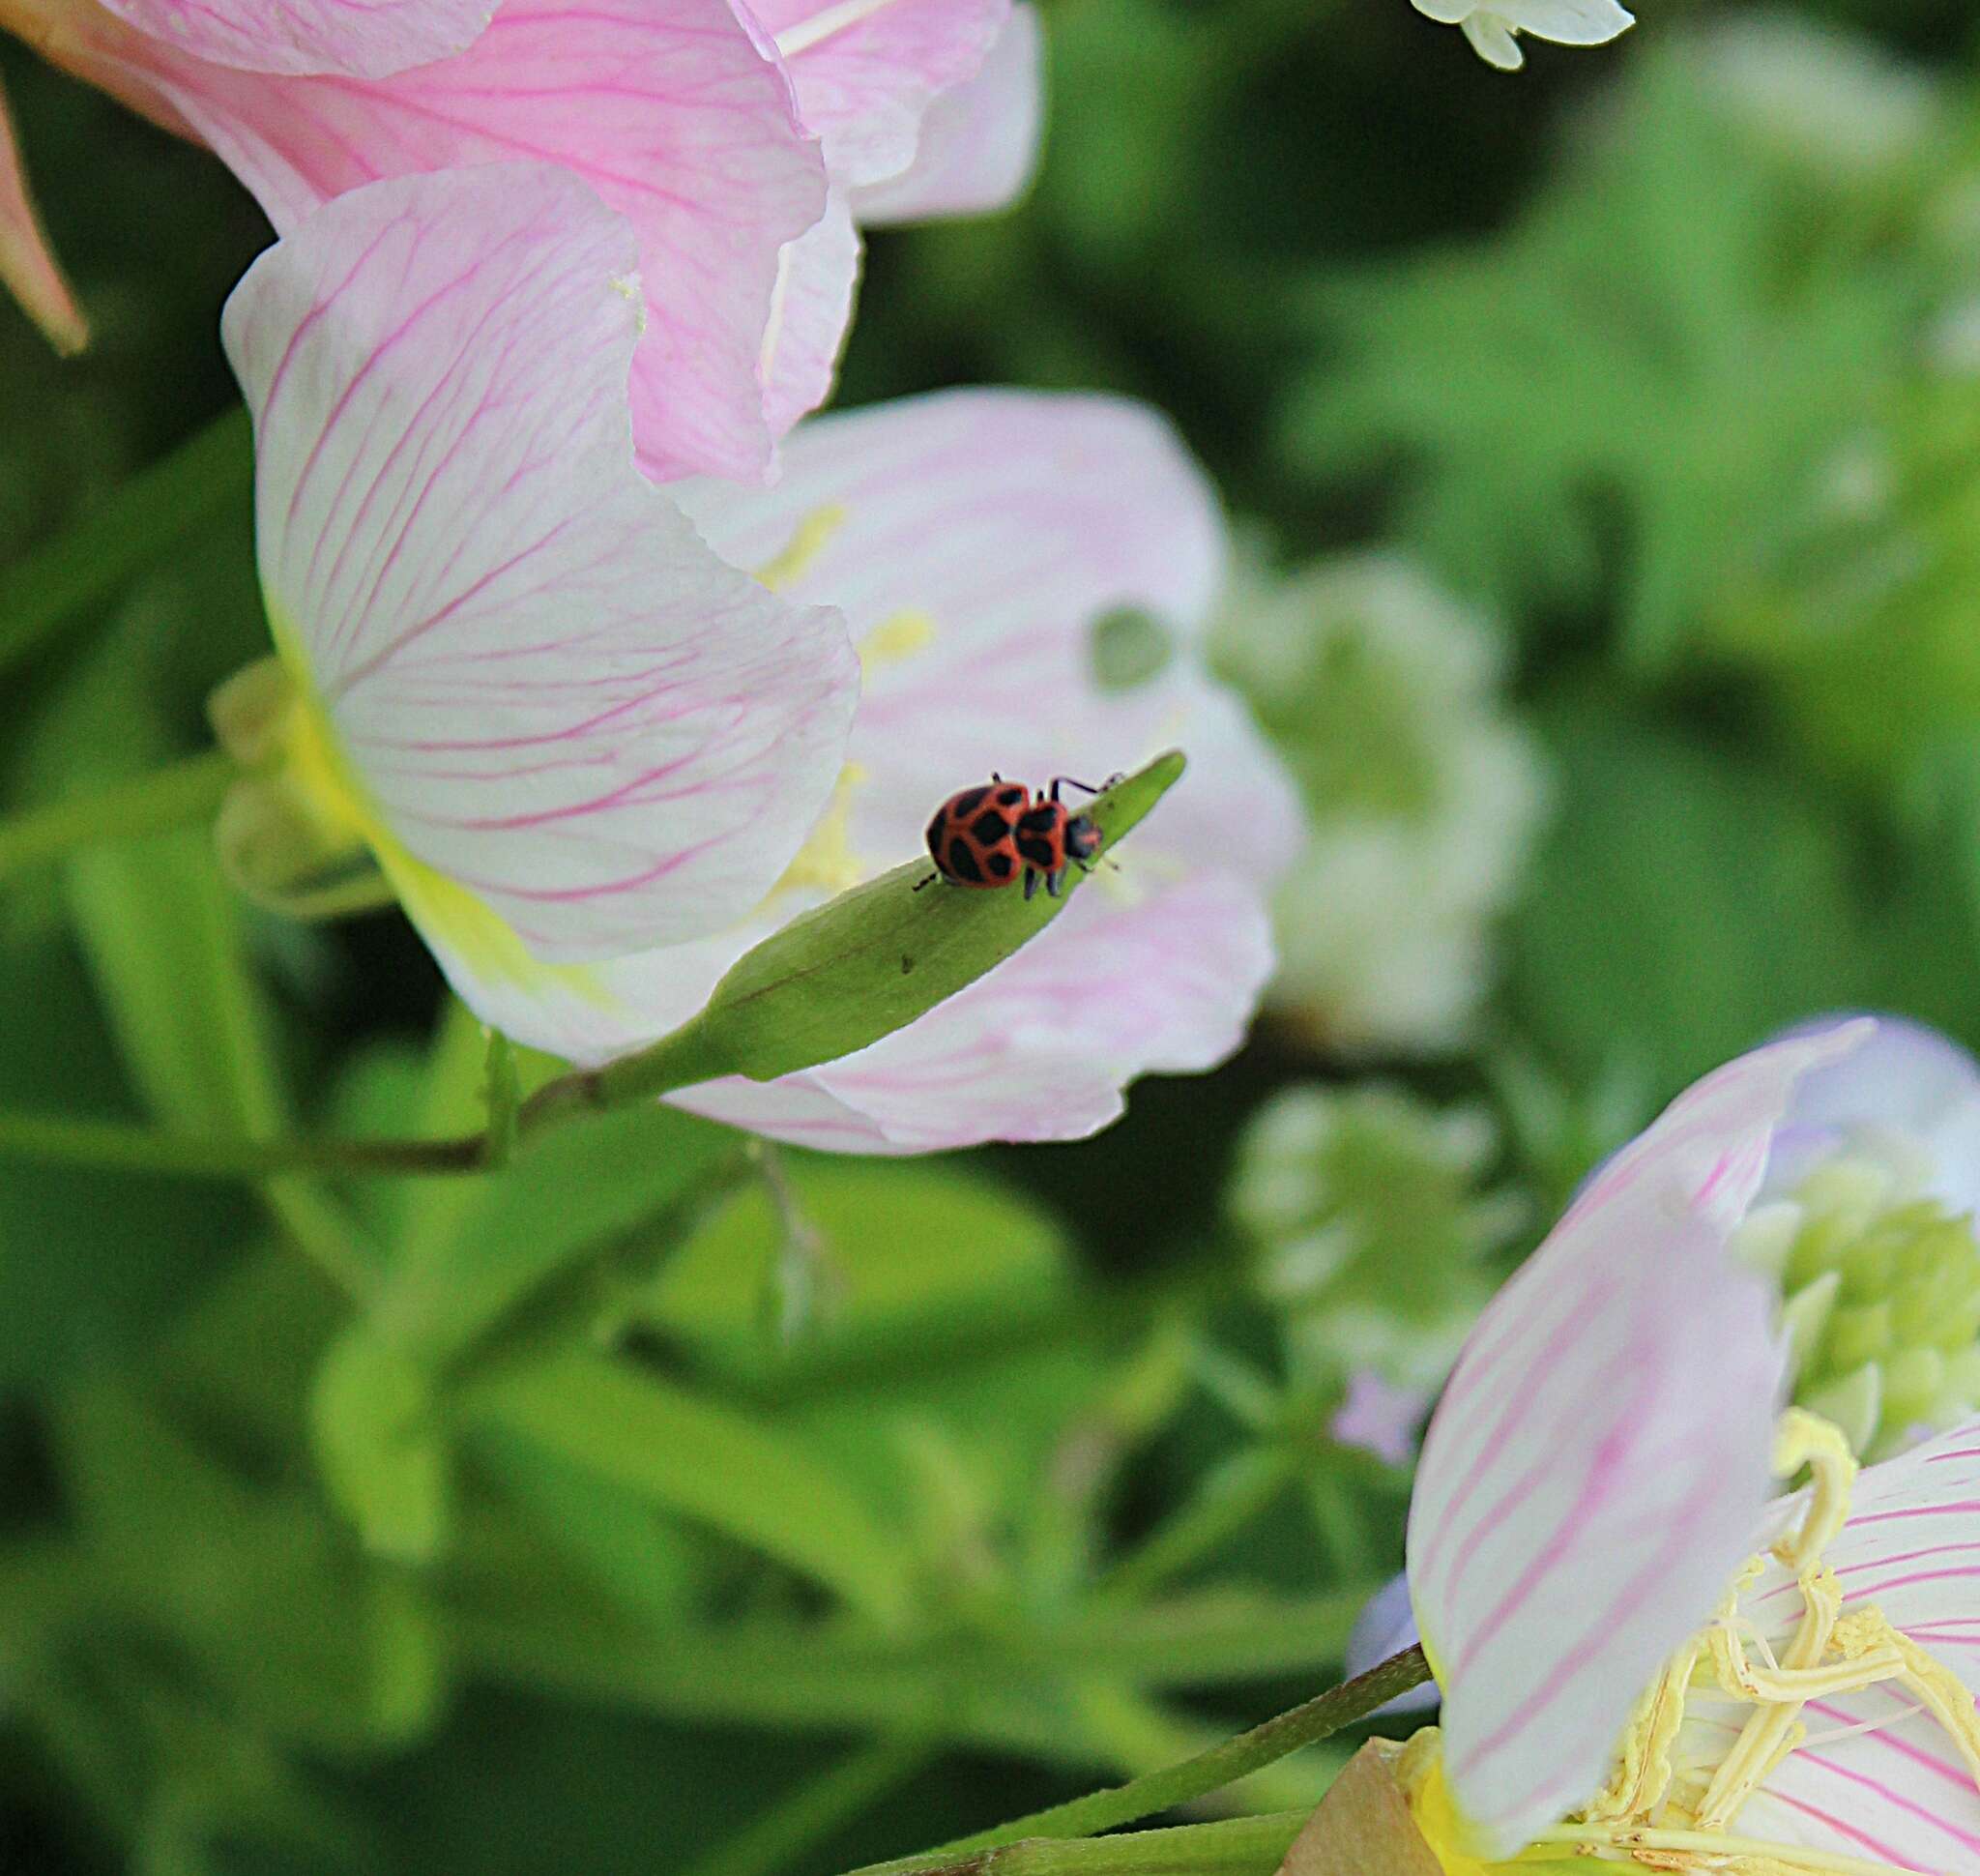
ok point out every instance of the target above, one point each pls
(1073, 781)
(1030, 884)
(1054, 880)
(929, 881)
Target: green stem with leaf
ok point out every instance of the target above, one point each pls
(832, 981)
(1183, 1783)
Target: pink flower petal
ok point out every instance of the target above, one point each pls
(28, 269)
(671, 113)
(979, 142)
(1897, 1792)
(1716, 1138)
(361, 39)
(1596, 1469)
(554, 695)
(1587, 1489)
(809, 314)
(865, 70)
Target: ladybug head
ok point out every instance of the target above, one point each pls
(1082, 838)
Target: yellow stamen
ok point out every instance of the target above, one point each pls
(900, 635)
(826, 863)
(1643, 1772)
(805, 544)
(1658, 1812)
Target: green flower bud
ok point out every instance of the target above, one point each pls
(1880, 1290)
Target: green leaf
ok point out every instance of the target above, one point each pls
(862, 966)
(578, 1192)
(381, 1445)
(162, 932)
(123, 534)
(962, 1260)
(747, 1478)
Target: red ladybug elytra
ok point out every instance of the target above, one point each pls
(986, 836)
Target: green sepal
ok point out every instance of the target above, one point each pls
(862, 965)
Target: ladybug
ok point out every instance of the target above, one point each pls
(987, 836)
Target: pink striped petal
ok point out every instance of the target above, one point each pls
(552, 694)
(979, 142)
(1587, 1489)
(28, 269)
(865, 70)
(1717, 1138)
(1596, 1469)
(666, 107)
(361, 39)
(1000, 525)
(1897, 1792)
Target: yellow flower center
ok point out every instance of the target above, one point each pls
(1660, 1810)
(827, 862)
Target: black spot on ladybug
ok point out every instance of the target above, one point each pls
(962, 862)
(1040, 820)
(990, 827)
(1010, 797)
(1000, 864)
(1039, 852)
(966, 803)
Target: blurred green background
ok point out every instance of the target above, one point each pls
(1604, 444)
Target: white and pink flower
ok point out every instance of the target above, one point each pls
(587, 746)
(743, 147)
(563, 726)
(972, 541)
(1595, 1479)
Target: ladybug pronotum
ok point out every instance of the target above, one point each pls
(988, 836)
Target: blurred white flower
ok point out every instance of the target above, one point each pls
(1385, 697)
(1830, 101)
(1494, 30)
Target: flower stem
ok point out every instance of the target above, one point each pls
(127, 1147)
(164, 798)
(1181, 1783)
(1245, 1846)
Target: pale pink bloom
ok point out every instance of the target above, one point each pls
(1596, 1477)
(1593, 1474)
(564, 727)
(972, 539)
(697, 120)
